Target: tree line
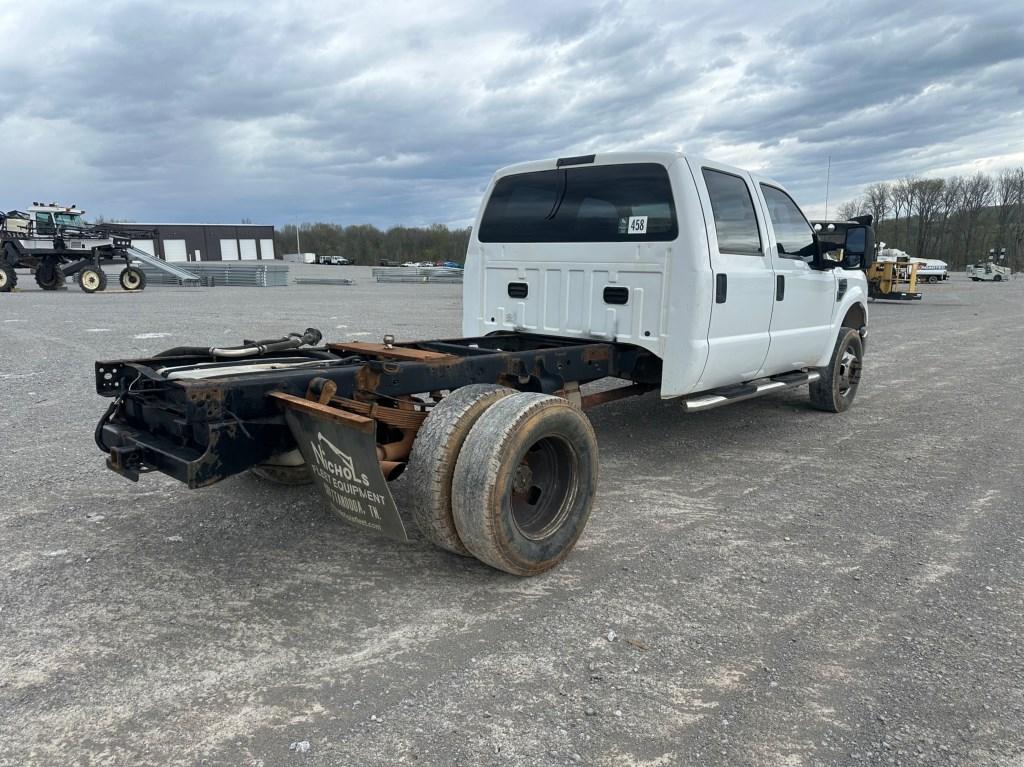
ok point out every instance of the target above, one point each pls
(956, 219)
(366, 244)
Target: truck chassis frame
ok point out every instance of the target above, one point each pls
(202, 431)
(346, 416)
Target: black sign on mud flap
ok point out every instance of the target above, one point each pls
(343, 461)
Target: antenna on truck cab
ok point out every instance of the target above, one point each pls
(828, 177)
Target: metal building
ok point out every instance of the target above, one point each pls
(206, 242)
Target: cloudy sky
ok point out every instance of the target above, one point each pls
(399, 112)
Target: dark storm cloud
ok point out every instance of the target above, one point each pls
(359, 112)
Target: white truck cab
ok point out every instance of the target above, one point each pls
(713, 269)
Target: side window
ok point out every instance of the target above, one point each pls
(44, 224)
(733, 210)
(792, 232)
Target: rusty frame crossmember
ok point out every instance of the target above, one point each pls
(202, 431)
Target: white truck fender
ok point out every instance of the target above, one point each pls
(852, 312)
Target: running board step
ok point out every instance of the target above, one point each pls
(726, 396)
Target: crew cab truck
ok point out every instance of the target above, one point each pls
(685, 276)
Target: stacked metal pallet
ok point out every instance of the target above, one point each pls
(230, 274)
(417, 274)
(323, 281)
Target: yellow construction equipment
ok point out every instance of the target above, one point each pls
(893, 280)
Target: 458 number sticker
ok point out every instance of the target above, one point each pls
(637, 225)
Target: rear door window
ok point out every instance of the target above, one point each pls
(733, 211)
(599, 203)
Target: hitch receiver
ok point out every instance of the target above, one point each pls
(126, 461)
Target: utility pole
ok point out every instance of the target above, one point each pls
(297, 248)
(828, 178)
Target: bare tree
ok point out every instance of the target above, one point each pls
(902, 200)
(977, 195)
(948, 206)
(1009, 196)
(926, 194)
(878, 200)
(851, 208)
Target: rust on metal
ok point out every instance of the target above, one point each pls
(399, 450)
(367, 380)
(327, 390)
(597, 353)
(358, 422)
(399, 417)
(390, 352)
(610, 395)
(571, 393)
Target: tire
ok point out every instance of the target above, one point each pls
(997, 278)
(524, 483)
(286, 469)
(132, 279)
(932, 278)
(92, 279)
(8, 278)
(835, 390)
(54, 280)
(435, 452)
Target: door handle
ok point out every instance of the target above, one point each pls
(721, 288)
(780, 287)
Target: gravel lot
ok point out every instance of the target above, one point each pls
(759, 585)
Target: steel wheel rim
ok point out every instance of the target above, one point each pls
(131, 280)
(848, 371)
(544, 488)
(90, 280)
(3, 278)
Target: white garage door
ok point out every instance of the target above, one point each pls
(174, 250)
(146, 246)
(266, 249)
(247, 249)
(229, 250)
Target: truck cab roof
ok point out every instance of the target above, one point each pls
(661, 157)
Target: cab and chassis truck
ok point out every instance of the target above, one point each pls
(674, 274)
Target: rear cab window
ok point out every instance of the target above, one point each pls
(597, 203)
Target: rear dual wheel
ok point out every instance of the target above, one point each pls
(524, 483)
(432, 462)
(504, 476)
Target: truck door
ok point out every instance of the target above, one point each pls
(805, 298)
(742, 281)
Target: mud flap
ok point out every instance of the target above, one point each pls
(341, 452)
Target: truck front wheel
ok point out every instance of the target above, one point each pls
(524, 483)
(835, 390)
